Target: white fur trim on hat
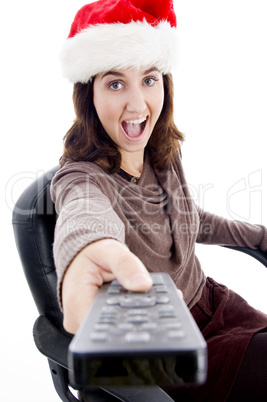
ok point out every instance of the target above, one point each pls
(104, 47)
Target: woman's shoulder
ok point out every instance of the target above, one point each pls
(72, 168)
(78, 174)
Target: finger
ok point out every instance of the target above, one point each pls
(116, 258)
(180, 293)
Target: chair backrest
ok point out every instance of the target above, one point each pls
(34, 219)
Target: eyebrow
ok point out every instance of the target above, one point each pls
(150, 70)
(118, 74)
(112, 72)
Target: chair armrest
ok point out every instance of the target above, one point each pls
(54, 344)
(255, 253)
(50, 341)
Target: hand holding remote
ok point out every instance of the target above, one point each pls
(96, 264)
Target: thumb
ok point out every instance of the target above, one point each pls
(127, 268)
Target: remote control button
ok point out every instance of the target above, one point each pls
(136, 311)
(109, 309)
(115, 283)
(107, 314)
(101, 327)
(113, 290)
(138, 337)
(162, 299)
(161, 289)
(137, 319)
(166, 311)
(112, 301)
(158, 280)
(98, 336)
(149, 326)
(176, 334)
(173, 325)
(168, 308)
(167, 314)
(106, 320)
(137, 301)
(125, 326)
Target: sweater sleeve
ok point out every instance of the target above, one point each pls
(214, 229)
(85, 215)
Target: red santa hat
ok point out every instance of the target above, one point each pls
(115, 34)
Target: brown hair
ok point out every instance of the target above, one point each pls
(87, 140)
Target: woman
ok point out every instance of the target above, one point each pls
(121, 195)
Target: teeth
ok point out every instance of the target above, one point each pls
(136, 121)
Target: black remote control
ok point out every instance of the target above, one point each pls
(138, 338)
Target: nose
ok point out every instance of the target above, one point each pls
(136, 102)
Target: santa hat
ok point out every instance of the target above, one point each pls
(115, 34)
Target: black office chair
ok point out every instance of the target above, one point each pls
(34, 219)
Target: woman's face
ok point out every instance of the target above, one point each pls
(128, 103)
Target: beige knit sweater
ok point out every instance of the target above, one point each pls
(156, 219)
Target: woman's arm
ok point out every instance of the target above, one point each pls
(101, 261)
(214, 229)
(85, 216)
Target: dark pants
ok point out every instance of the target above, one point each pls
(237, 348)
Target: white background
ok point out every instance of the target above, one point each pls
(221, 103)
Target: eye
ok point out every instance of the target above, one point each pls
(115, 85)
(150, 81)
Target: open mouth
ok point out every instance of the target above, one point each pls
(134, 128)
